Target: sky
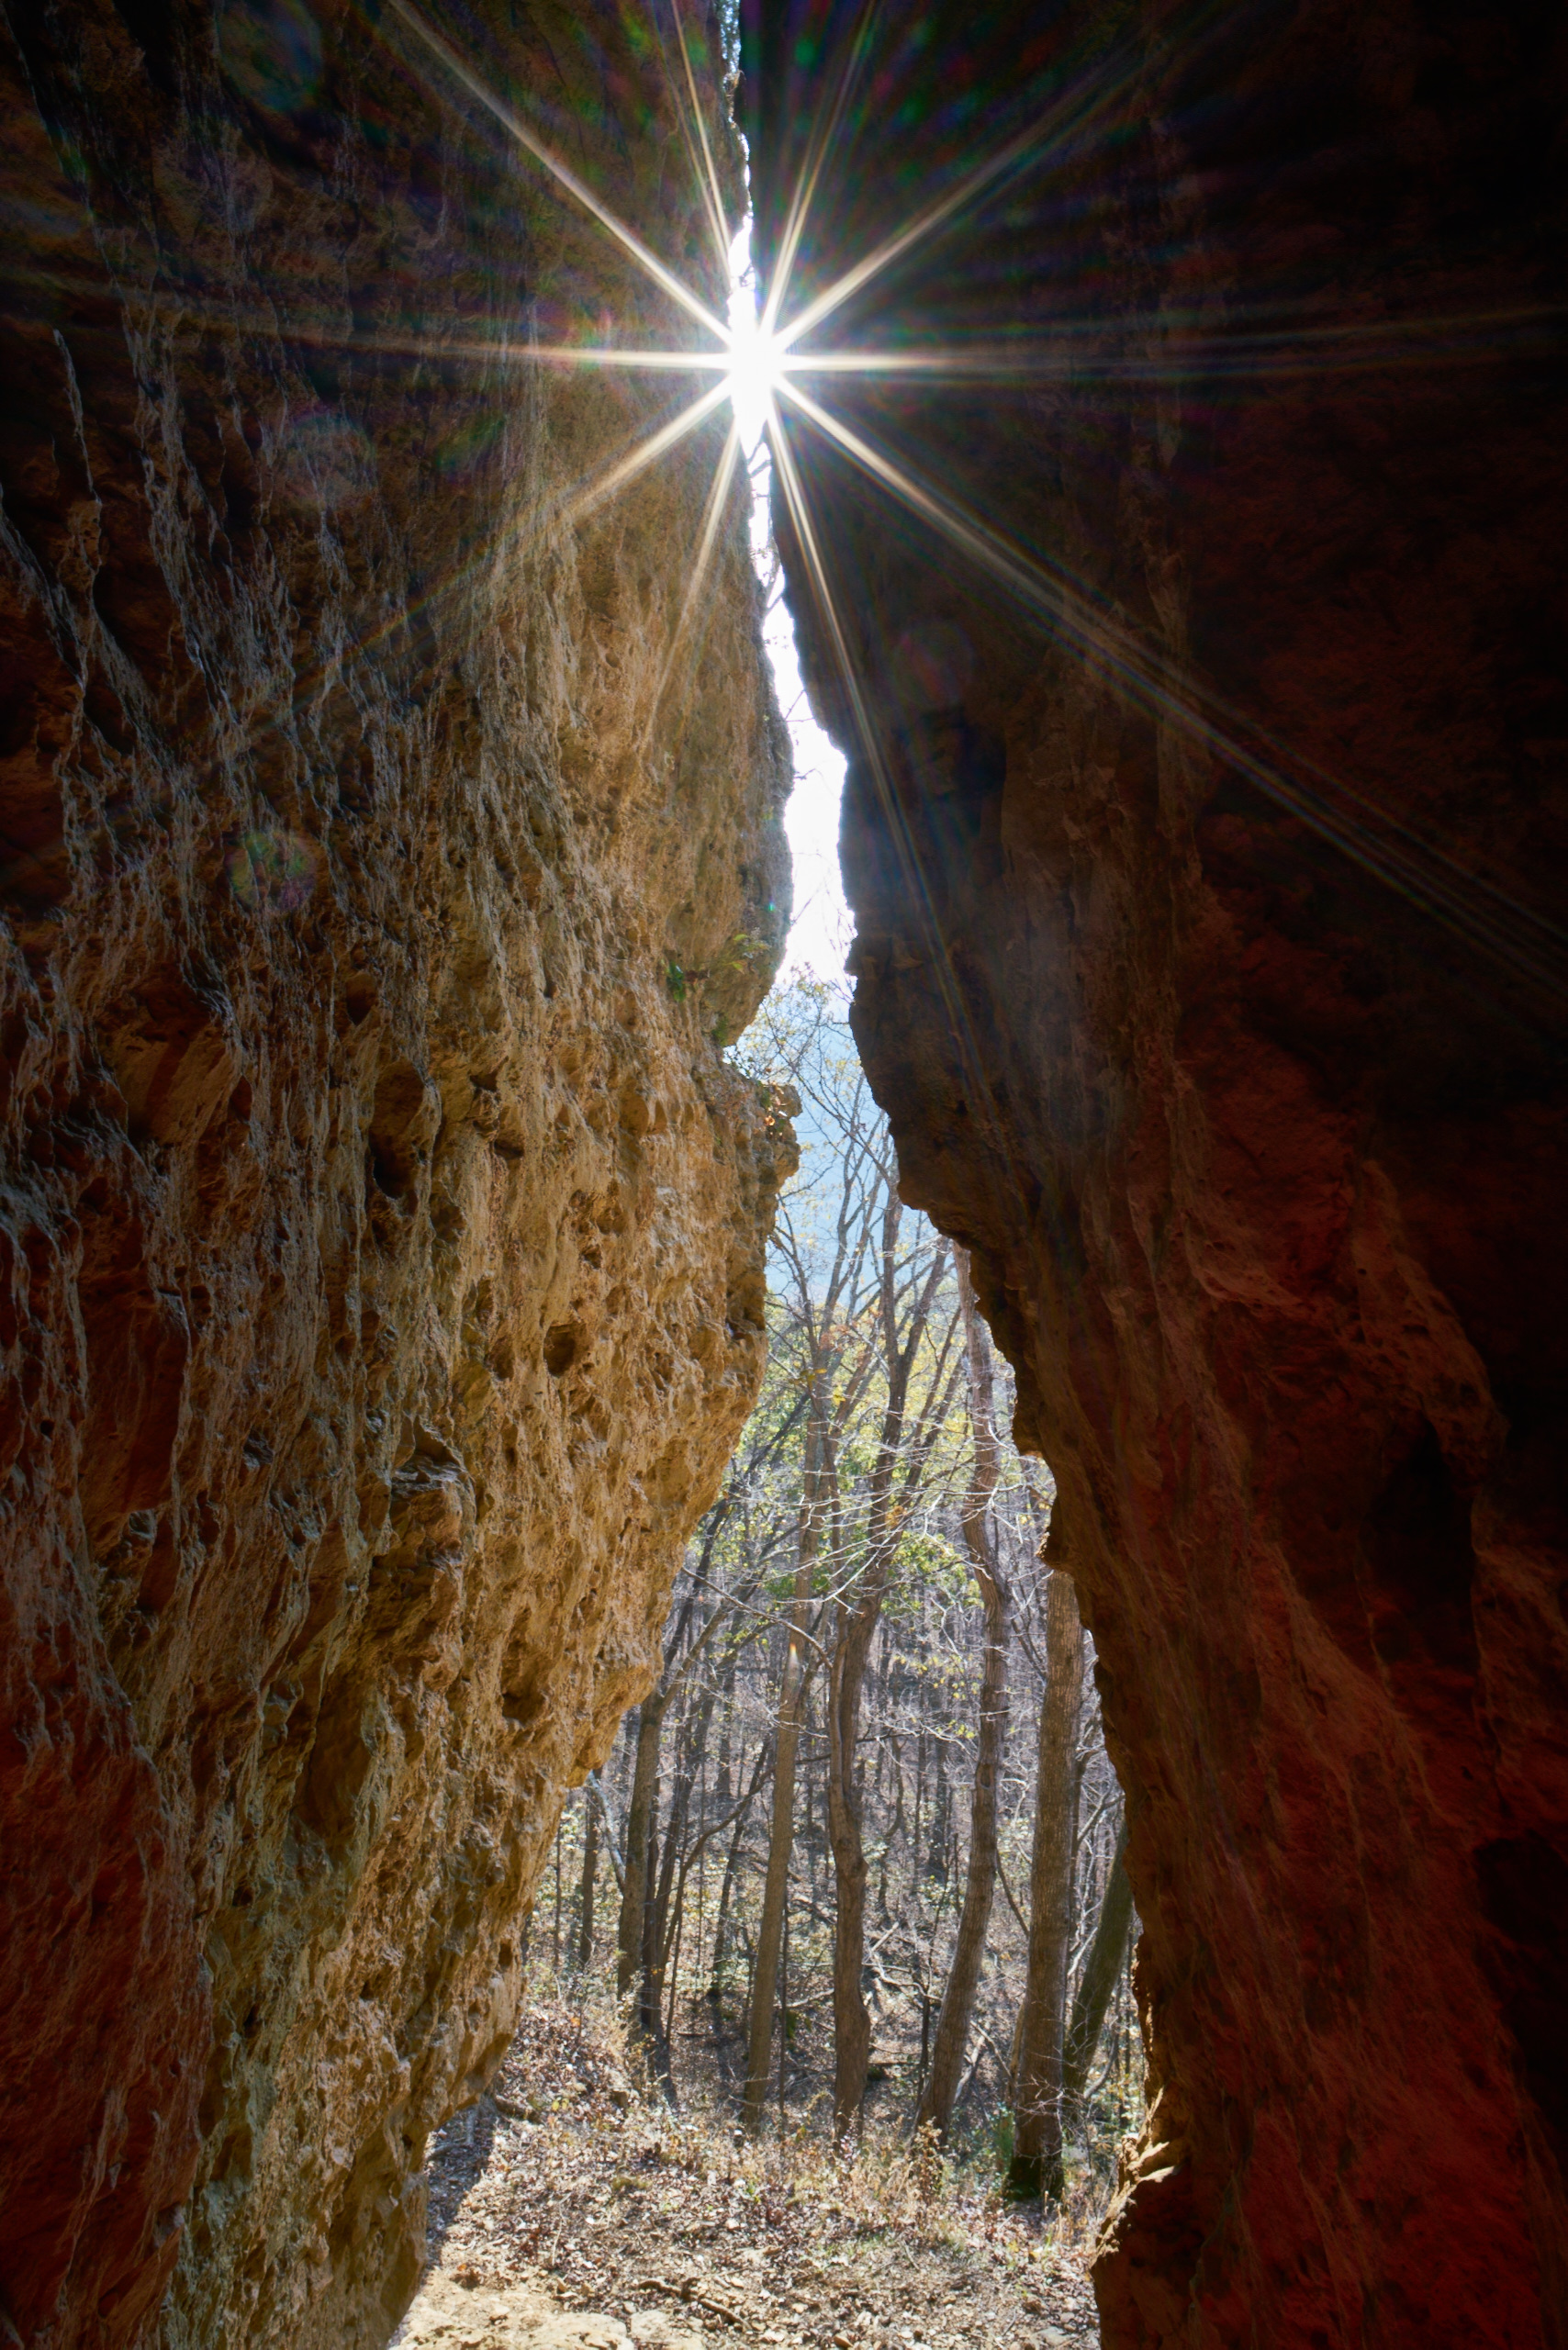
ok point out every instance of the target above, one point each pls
(821, 928)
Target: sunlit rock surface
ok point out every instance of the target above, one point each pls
(1233, 1045)
(381, 1225)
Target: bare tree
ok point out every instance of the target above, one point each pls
(590, 1871)
(638, 1936)
(872, 1527)
(639, 1828)
(787, 1739)
(859, 1612)
(824, 1303)
(953, 2023)
(1037, 2166)
(1102, 1969)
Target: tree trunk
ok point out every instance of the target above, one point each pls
(857, 1623)
(601, 1803)
(667, 2027)
(590, 1870)
(662, 1930)
(639, 1828)
(726, 1892)
(979, 1886)
(791, 1701)
(957, 2008)
(1036, 2136)
(1101, 1968)
(693, 1755)
(636, 1888)
(851, 2019)
(936, 1857)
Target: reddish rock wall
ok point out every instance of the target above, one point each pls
(1209, 875)
(380, 1226)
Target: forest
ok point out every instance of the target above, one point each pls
(855, 1861)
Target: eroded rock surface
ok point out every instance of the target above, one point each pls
(465, 2311)
(1206, 837)
(381, 1224)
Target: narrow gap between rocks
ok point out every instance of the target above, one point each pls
(654, 2162)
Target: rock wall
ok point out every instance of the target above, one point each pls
(381, 1224)
(1205, 833)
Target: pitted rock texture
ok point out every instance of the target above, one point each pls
(382, 1226)
(1208, 876)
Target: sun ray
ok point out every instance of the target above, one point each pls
(707, 176)
(513, 122)
(804, 194)
(1193, 351)
(1422, 872)
(718, 494)
(800, 516)
(506, 540)
(1460, 338)
(593, 355)
(1032, 139)
(646, 453)
(917, 886)
(757, 363)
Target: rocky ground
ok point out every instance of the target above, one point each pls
(570, 2211)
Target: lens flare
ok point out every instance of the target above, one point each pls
(760, 366)
(753, 373)
(272, 872)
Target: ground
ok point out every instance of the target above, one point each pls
(572, 2210)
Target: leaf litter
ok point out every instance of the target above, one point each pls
(572, 2210)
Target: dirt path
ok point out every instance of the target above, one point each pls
(568, 2213)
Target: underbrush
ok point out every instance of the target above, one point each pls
(891, 2178)
(584, 2168)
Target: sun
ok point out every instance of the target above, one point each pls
(754, 371)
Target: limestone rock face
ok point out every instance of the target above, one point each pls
(384, 847)
(1206, 836)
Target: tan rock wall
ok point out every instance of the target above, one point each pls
(382, 1227)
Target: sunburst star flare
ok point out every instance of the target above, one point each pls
(758, 359)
